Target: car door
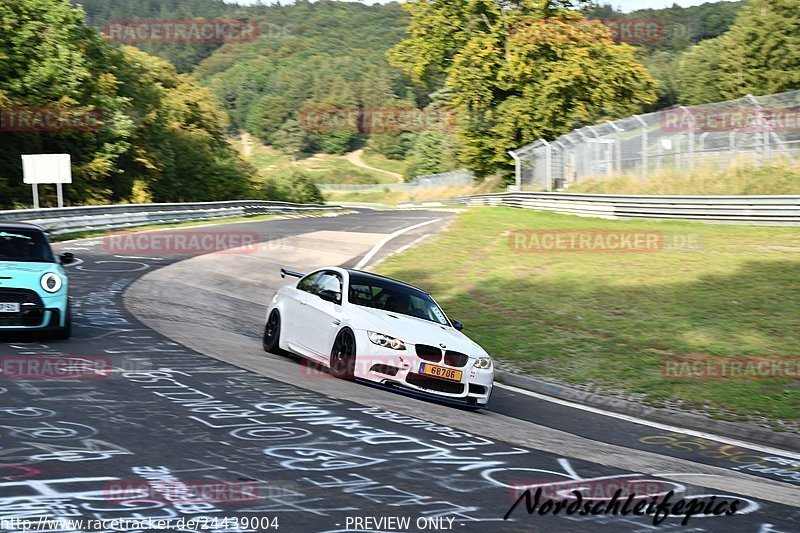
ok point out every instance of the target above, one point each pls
(323, 317)
(296, 309)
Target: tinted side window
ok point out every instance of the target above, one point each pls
(309, 283)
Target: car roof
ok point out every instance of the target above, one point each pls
(19, 225)
(377, 277)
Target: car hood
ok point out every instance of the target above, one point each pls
(414, 330)
(21, 272)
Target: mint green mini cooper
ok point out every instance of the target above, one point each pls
(34, 293)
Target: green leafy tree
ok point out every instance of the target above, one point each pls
(158, 134)
(268, 115)
(291, 139)
(431, 153)
(761, 52)
(699, 72)
(393, 145)
(515, 75)
(759, 55)
(335, 142)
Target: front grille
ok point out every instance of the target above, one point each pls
(29, 315)
(20, 296)
(438, 385)
(429, 353)
(456, 359)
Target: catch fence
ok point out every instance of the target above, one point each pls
(754, 130)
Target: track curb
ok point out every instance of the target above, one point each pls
(739, 430)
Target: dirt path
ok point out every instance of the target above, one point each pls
(355, 158)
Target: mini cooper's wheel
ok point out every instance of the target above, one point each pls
(272, 333)
(343, 355)
(65, 332)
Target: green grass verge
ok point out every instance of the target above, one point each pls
(608, 319)
(741, 178)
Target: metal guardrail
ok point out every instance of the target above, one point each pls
(68, 220)
(755, 210)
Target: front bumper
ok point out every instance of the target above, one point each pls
(402, 369)
(37, 311)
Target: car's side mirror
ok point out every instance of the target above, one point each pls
(66, 258)
(458, 325)
(331, 296)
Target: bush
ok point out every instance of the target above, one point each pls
(336, 142)
(297, 187)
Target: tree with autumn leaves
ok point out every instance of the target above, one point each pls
(518, 71)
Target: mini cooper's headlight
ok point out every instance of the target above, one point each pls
(386, 341)
(51, 282)
(483, 363)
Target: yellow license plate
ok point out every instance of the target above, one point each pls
(440, 372)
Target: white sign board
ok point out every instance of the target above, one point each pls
(46, 168)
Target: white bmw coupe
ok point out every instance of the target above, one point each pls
(369, 327)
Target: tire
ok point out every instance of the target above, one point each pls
(65, 332)
(272, 333)
(343, 356)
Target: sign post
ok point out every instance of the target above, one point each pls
(47, 168)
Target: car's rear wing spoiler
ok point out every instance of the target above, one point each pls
(285, 272)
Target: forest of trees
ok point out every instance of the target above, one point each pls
(507, 76)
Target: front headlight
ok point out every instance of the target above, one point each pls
(51, 283)
(483, 363)
(386, 341)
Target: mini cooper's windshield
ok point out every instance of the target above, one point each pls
(394, 297)
(21, 244)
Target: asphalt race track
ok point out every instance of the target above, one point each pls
(296, 450)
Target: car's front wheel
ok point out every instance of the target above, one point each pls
(343, 355)
(272, 333)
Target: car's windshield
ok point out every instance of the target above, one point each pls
(394, 297)
(24, 245)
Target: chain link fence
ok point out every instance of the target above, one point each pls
(753, 130)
